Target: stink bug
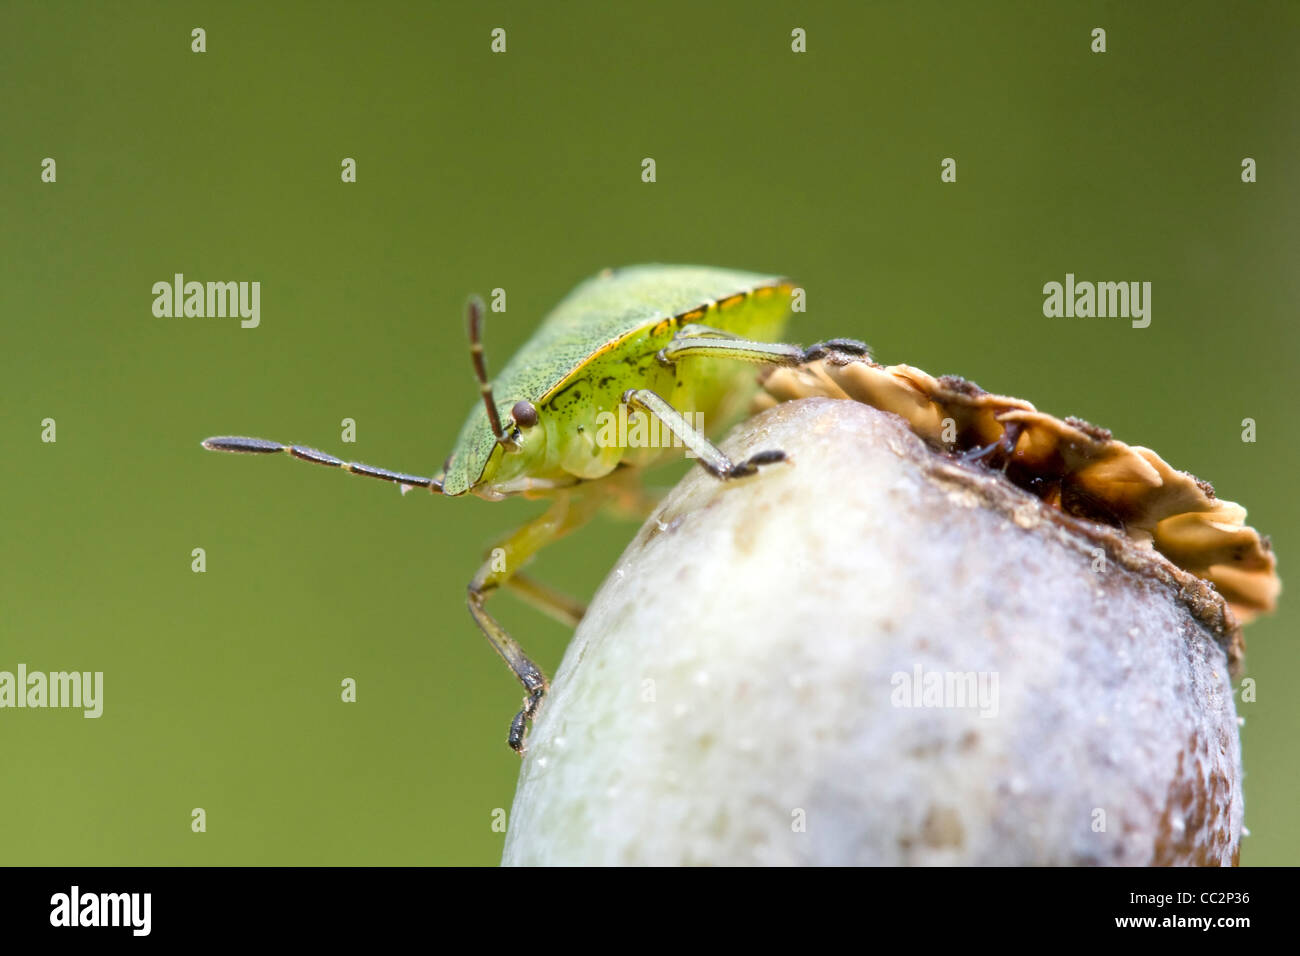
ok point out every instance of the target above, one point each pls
(651, 341)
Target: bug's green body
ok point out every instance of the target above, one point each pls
(662, 342)
(599, 342)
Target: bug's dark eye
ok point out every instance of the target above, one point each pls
(524, 414)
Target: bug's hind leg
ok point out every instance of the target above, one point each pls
(569, 511)
(702, 340)
(998, 453)
(554, 604)
(710, 455)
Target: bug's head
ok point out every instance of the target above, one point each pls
(481, 460)
(499, 440)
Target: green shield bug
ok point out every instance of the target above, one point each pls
(664, 344)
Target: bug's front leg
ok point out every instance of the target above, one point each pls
(702, 340)
(710, 455)
(567, 512)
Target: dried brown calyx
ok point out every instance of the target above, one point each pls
(1068, 463)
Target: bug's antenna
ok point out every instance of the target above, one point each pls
(474, 317)
(260, 446)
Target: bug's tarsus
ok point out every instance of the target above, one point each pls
(519, 726)
(756, 461)
(750, 465)
(973, 455)
(999, 451)
(260, 446)
(837, 348)
(474, 319)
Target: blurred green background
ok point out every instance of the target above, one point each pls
(522, 171)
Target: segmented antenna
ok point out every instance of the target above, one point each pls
(260, 446)
(474, 316)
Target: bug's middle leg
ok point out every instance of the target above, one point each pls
(567, 512)
(711, 457)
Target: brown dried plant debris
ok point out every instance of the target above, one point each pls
(1077, 467)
